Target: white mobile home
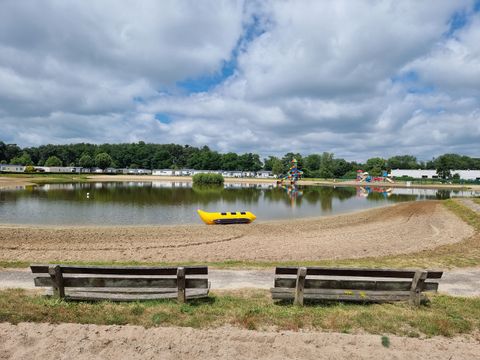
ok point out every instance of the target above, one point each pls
(163, 172)
(265, 174)
(12, 168)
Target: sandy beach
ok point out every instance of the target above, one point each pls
(76, 341)
(398, 229)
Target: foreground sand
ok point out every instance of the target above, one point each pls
(75, 341)
(402, 228)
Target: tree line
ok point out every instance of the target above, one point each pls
(174, 156)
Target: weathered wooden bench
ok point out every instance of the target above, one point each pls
(122, 283)
(350, 284)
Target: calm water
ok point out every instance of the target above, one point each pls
(141, 203)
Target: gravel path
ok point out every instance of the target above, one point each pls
(458, 282)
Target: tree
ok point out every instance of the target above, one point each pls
(53, 161)
(375, 166)
(443, 165)
(86, 161)
(277, 167)
(24, 159)
(403, 162)
(103, 160)
(326, 165)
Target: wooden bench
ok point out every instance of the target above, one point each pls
(122, 283)
(349, 284)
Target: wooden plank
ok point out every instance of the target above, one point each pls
(354, 284)
(341, 295)
(122, 282)
(79, 295)
(56, 278)
(358, 272)
(181, 284)
(416, 287)
(299, 286)
(121, 270)
(122, 290)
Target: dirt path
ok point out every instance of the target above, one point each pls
(470, 204)
(458, 282)
(75, 341)
(398, 229)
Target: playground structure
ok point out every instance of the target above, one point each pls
(363, 176)
(365, 191)
(293, 174)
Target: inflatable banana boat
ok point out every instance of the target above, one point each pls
(226, 218)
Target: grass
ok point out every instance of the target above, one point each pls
(446, 316)
(462, 254)
(41, 178)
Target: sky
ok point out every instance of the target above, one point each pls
(356, 78)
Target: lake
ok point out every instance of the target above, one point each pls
(160, 202)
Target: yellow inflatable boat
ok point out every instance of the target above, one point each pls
(225, 218)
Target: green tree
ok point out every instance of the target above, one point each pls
(53, 161)
(403, 162)
(326, 165)
(277, 167)
(375, 166)
(230, 161)
(24, 159)
(86, 161)
(103, 160)
(444, 164)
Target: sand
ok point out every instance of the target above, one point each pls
(398, 229)
(76, 341)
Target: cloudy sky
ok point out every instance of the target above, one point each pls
(357, 78)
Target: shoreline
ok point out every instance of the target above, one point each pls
(403, 228)
(12, 182)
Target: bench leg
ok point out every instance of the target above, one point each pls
(181, 285)
(55, 272)
(299, 286)
(418, 283)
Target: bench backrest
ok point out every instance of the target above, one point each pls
(336, 280)
(173, 279)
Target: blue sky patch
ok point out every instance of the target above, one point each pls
(207, 82)
(163, 118)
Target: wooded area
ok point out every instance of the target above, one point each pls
(174, 156)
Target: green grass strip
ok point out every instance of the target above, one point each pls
(444, 315)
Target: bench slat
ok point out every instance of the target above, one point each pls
(121, 270)
(122, 282)
(352, 284)
(341, 295)
(388, 273)
(87, 295)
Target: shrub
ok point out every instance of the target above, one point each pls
(208, 179)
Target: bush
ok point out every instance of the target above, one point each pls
(208, 179)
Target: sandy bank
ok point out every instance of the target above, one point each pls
(13, 182)
(402, 228)
(75, 341)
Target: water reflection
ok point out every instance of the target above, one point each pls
(176, 202)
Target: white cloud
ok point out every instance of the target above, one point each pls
(315, 76)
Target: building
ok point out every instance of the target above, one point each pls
(432, 174)
(12, 168)
(265, 174)
(413, 173)
(163, 172)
